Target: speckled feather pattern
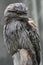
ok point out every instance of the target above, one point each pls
(20, 32)
(17, 36)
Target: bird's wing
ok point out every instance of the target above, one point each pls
(35, 40)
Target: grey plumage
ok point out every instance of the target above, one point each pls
(19, 32)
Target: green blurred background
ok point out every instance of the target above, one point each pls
(35, 11)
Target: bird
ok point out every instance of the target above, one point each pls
(20, 32)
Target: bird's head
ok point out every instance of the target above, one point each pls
(15, 10)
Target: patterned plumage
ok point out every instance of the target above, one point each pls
(20, 32)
